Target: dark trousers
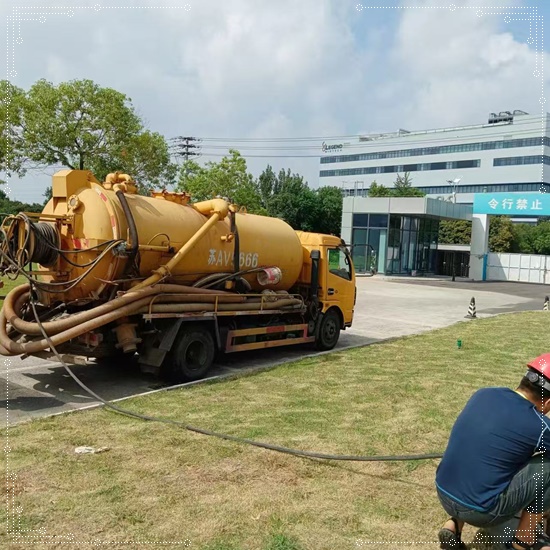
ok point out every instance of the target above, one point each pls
(529, 490)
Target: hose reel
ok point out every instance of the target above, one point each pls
(27, 242)
(44, 243)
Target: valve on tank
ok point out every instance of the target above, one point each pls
(126, 336)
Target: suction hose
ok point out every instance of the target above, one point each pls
(19, 295)
(129, 304)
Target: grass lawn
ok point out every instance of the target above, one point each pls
(9, 285)
(158, 483)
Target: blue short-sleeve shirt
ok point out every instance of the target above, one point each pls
(492, 439)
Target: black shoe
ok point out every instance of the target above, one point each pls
(451, 540)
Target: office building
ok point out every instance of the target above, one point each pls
(509, 153)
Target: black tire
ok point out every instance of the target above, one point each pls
(192, 355)
(329, 331)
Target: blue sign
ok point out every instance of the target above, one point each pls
(512, 204)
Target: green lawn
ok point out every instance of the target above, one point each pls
(10, 285)
(158, 483)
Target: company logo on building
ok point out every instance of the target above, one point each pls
(331, 148)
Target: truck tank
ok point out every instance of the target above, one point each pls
(95, 217)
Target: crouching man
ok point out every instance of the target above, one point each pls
(496, 464)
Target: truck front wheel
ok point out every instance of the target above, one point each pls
(329, 331)
(192, 355)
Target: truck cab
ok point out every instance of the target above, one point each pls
(336, 276)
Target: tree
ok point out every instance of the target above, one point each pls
(402, 187)
(455, 232)
(531, 239)
(80, 125)
(266, 185)
(48, 194)
(228, 178)
(12, 157)
(293, 201)
(7, 206)
(146, 158)
(501, 234)
(329, 210)
(377, 190)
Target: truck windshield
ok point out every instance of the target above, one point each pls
(339, 262)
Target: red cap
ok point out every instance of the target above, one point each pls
(541, 364)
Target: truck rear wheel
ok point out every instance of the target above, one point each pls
(329, 331)
(192, 355)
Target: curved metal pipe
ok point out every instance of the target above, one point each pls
(13, 303)
(134, 238)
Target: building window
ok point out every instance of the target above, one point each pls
(467, 163)
(443, 149)
(378, 220)
(515, 161)
(360, 220)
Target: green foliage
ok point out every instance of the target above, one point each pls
(293, 201)
(377, 190)
(228, 178)
(504, 236)
(48, 194)
(267, 182)
(329, 210)
(280, 541)
(7, 206)
(532, 239)
(80, 125)
(501, 234)
(402, 187)
(284, 195)
(11, 107)
(288, 196)
(455, 232)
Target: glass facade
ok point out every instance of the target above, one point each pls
(440, 150)
(453, 165)
(446, 190)
(369, 242)
(394, 244)
(515, 161)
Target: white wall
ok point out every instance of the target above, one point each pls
(528, 268)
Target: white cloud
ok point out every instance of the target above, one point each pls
(238, 68)
(463, 68)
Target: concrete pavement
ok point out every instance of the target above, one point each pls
(385, 308)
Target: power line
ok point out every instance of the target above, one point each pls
(185, 146)
(351, 136)
(360, 148)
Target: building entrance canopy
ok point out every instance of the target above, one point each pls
(396, 234)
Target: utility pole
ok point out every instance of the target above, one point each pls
(185, 147)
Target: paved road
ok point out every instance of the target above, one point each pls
(385, 308)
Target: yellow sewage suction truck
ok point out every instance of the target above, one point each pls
(115, 274)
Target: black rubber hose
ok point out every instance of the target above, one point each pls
(227, 437)
(132, 252)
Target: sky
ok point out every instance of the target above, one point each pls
(230, 70)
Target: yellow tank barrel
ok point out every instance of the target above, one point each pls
(218, 209)
(90, 219)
